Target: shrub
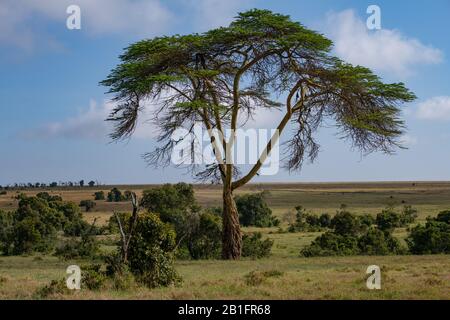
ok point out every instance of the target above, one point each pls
(115, 195)
(87, 204)
(92, 277)
(99, 195)
(47, 197)
(87, 247)
(176, 204)
(377, 242)
(332, 244)
(6, 232)
(408, 216)
(325, 220)
(35, 223)
(431, 238)
(344, 223)
(255, 278)
(306, 222)
(254, 211)
(388, 220)
(253, 246)
(206, 241)
(151, 252)
(366, 220)
(3, 192)
(443, 216)
(55, 287)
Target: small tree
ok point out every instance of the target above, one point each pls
(99, 195)
(91, 183)
(115, 195)
(88, 205)
(81, 183)
(254, 211)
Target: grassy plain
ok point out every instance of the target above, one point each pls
(403, 277)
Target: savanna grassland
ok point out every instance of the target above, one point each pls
(285, 275)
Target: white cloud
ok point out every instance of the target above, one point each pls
(90, 124)
(436, 108)
(139, 17)
(382, 50)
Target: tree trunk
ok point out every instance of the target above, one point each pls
(232, 237)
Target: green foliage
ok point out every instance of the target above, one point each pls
(6, 232)
(355, 235)
(54, 288)
(99, 195)
(332, 244)
(388, 219)
(88, 205)
(253, 246)
(205, 241)
(254, 211)
(92, 277)
(3, 192)
(151, 252)
(377, 242)
(431, 238)
(34, 225)
(49, 198)
(170, 200)
(175, 204)
(86, 247)
(115, 195)
(306, 222)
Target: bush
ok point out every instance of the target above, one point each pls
(332, 244)
(408, 216)
(377, 242)
(431, 238)
(254, 211)
(206, 241)
(55, 287)
(253, 246)
(151, 252)
(87, 247)
(92, 277)
(47, 197)
(34, 225)
(115, 195)
(443, 216)
(325, 220)
(87, 204)
(173, 202)
(366, 220)
(99, 195)
(306, 222)
(344, 223)
(255, 278)
(388, 220)
(6, 232)
(3, 192)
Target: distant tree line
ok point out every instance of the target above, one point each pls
(54, 184)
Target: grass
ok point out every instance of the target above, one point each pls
(403, 277)
(284, 275)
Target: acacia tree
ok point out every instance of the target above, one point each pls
(228, 74)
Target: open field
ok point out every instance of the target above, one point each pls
(403, 277)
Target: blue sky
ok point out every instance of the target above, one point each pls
(52, 109)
